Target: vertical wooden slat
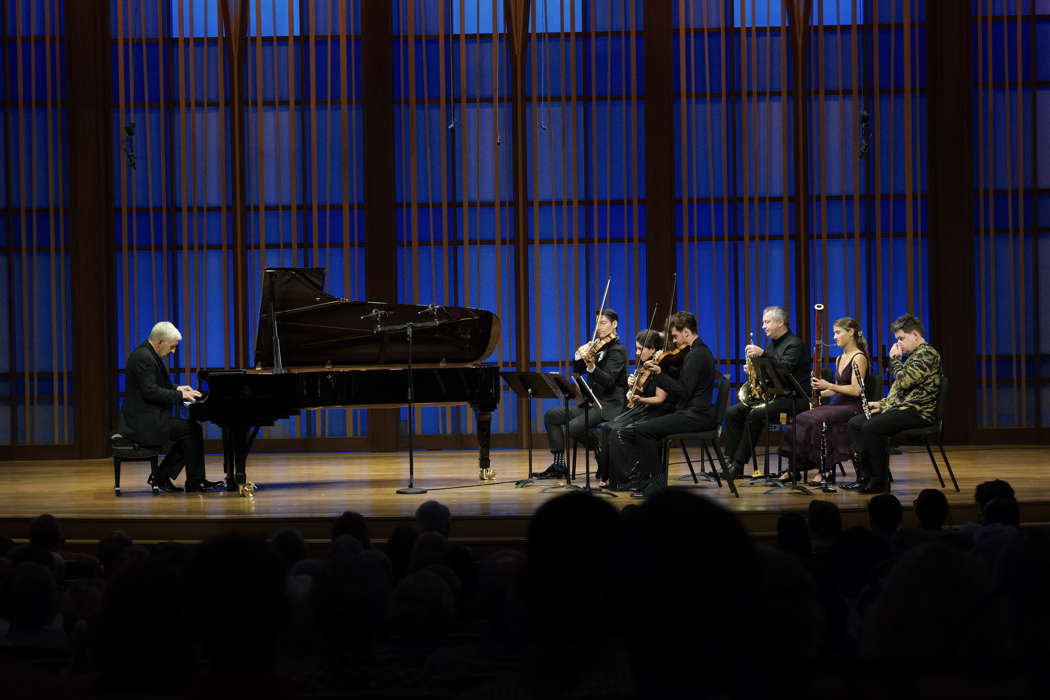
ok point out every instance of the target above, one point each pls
(819, 147)
(312, 79)
(1022, 346)
(876, 146)
(683, 146)
(60, 169)
(53, 289)
(785, 153)
(184, 302)
(908, 159)
(277, 150)
(982, 322)
(193, 299)
(496, 180)
(745, 157)
(464, 153)
(121, 121)
(1011, 306)
(534, 125)
(220, 79)
(992, 182)
(855, 122)
(292, 132)
(164, 22)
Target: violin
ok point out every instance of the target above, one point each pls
(664, 359)
(590, 355)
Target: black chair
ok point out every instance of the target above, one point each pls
(934, 431)
(707, 439)
(127, 450)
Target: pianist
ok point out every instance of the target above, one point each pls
(147, 416)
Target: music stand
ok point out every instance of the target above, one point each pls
(772, 384)
(589, 399)
(529, 385)
(786, 386)
(569, 392)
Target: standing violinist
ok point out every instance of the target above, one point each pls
(744, 423)
(605, 363)
(693, 412)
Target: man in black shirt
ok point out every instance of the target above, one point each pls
(606, 373)
(694, 411)
(744, 423)
(146, 414)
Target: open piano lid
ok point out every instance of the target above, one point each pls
(317, 329)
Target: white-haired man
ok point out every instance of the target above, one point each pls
(148, 399)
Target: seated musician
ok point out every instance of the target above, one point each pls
(820, 433)
(649, 401)
(693, 412)
(606, 371)
(744, 423)
(911, 403)
(148, 399)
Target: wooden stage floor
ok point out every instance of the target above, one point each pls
(306, 491)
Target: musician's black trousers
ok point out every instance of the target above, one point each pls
(869, 439)
(642, 440)
(744, 425)
(188, 450)
(580, 428)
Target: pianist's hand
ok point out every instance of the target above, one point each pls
(189, 393)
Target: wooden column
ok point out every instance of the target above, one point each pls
(660, 255)
(93, 324)
(517, 14)
(952, 326)
(378, 156)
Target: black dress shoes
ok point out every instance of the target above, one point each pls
(874, 488)
(854, 485)
(163, 483)
(554, 471)
(204, 485)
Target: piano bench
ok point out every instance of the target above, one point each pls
(126, 450)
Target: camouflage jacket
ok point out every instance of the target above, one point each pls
(916, 382)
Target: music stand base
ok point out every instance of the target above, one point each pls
(799, 488)
(765, 481)
(411, 490)
(597, 491)
(522, 483)
(566, 486)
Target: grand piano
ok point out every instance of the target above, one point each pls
(315, 350)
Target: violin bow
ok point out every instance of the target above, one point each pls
(601, 308)
(670, 306)
(652, 319)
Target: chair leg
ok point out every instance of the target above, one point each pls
(116, 476)
(688, 461)
(572, 470)
(842, 469)
(704, 450)
(948, 464)
(725, 470)
(933, 461)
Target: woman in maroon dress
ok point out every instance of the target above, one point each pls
(821, 431)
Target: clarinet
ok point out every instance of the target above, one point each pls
(863, 395)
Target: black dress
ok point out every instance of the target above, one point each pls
(613, 465)
(834, 415)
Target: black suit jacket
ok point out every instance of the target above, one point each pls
(149, 397)
(694, 386)
(608, 381)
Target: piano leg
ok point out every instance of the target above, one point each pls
(236, 441)
(483, 415)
